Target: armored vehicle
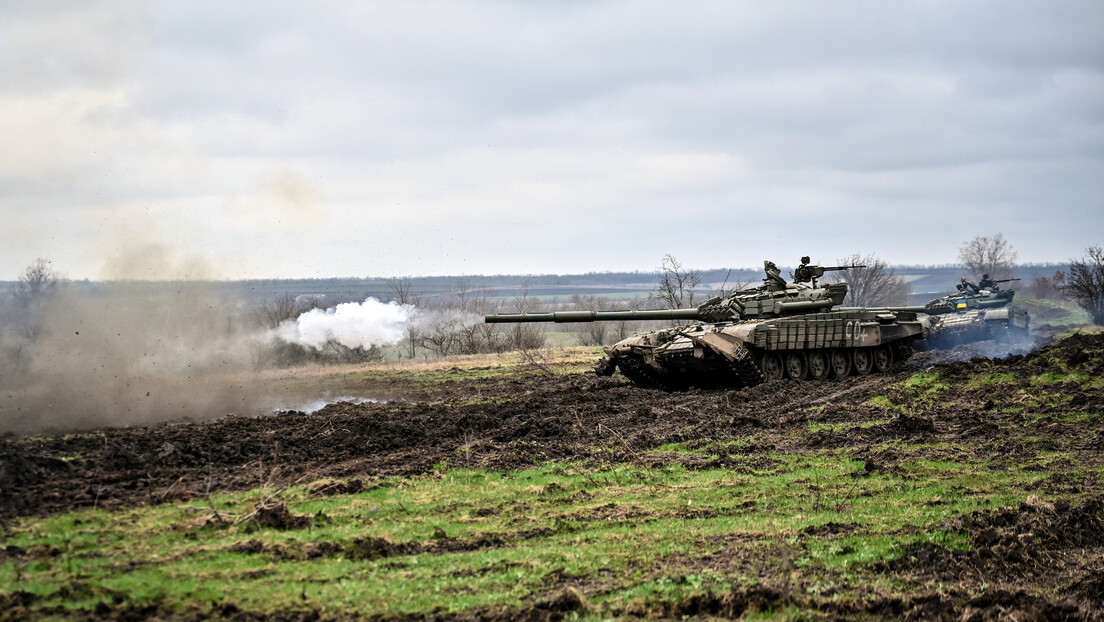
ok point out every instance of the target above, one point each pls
(796, 330)
(976, 312)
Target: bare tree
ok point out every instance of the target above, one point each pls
(874, 285)
(37, 281)
(271, 313)
(591, 333)
(604, 333)
(1085, 283)
(441, 335)
(525, 336)
(991, 255)
(402, 292)
(677, 285)
(1048, 287)
(729, 287)
(457, 327)
(36, 287)
(22, 317)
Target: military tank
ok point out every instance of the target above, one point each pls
(976, 312)
(794, 330)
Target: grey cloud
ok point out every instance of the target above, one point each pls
(495, 132)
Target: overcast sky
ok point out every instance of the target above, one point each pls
(269, 139)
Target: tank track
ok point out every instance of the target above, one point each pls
(639, 373)
(745, 370)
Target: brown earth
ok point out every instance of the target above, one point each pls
(1043, 560)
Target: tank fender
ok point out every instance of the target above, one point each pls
(886, 318)
(727, 346)
(995, 314)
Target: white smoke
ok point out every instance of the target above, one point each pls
(446, 320)
(352, 324)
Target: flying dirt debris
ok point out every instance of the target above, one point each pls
(977, 312)
(795, 330)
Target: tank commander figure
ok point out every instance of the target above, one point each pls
(986, 282)
(966, 286)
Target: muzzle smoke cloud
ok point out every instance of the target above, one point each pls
(370, 323)
(352, 324)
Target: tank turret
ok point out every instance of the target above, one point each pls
(775, 298)
(774, 330)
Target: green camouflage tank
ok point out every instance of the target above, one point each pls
(780, 329)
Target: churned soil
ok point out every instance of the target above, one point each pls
(529, 419)
(515, 424)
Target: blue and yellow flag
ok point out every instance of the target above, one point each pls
(961, 304)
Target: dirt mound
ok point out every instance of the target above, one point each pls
(1050, 545)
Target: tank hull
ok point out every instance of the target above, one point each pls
(1005, 324)
(813, 346)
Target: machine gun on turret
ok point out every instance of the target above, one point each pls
(991, 284)
(808, 273)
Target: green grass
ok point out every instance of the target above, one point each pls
(638, 538)
(991, 378)
(607, 526)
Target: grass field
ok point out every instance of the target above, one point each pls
(819, 510)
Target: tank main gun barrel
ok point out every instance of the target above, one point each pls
(772, 299)
(563, 317)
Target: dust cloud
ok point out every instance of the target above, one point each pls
(128, 354)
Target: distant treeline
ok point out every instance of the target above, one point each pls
(924, 281)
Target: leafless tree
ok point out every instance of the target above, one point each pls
(36, 288)
(677, 285)
(441, 335)
(402, 292)
(525, 336)
(991, 255)
(271, 313)
(591, 333)
(458, 328)
(876, 284)
(38, 281)
(1085, 283)
(603, 333)
(1049, 287)
(729, 286)
(22, 317)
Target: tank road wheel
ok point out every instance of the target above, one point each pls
(883, 358)
(771, 366)
(818, 365)
(840, 363)
(861, 361)
(795, 365)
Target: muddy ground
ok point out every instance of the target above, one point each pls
(521, 421)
